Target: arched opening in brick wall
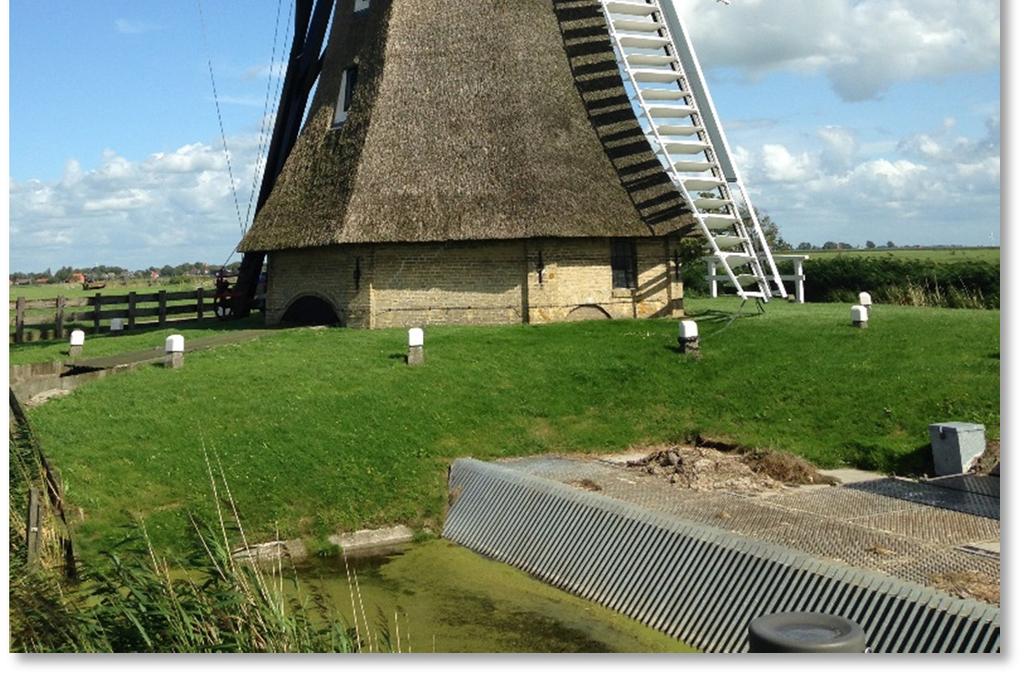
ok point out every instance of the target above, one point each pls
(586, 313)
(310, 311)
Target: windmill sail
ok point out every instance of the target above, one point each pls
(658, 61)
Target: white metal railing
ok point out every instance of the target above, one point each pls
(797, 278)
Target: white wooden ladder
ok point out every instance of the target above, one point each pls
(667, 87)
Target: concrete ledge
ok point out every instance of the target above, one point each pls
(357, 543)
(370, 539)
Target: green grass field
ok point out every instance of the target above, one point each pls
(984, 254)
(75, 291)
(322, 430)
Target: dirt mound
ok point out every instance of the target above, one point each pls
(786, 468)
(586, 484)
(988, 463)
(705, 469)
(968, 585)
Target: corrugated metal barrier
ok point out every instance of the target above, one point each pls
(696, 583)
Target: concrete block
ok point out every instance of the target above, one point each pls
(689, 338)
(174, 350)
(859, 317)
(415, 354)
(865, 300)
(174, 344)
(371, 539)
(955, 446)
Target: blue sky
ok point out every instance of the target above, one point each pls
(851, 119)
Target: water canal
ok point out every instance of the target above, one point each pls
(449, 599)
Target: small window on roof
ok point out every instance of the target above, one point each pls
(345, 94)
(361, 5)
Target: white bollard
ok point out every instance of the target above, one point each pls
(865, 300)
(415, 355)
(77, 342)
(689, 338)
(117, 324)
(174, 351)
(859, 317)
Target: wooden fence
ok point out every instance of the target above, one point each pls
(55, 318)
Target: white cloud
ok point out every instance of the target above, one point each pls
(134, 26)
(250, 101)
(839, 147)
(169, 207)
(120, 201)
(782, 166)
(931, 188)
(263, 71)
(862, 46)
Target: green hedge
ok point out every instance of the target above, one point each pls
(963, 284)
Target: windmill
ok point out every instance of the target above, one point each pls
(453, 126)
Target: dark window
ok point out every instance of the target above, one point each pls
(623, 264)
(348, 87)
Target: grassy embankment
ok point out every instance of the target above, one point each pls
(129, 341)
(321, 430)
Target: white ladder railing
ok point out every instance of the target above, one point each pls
(797, 278)
(645, 42)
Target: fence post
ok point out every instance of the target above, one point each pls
(798, 268)
(713, 278)
(131, 310)
(199, 303)
(19, 320)
(96, 304)
(33, 533)
(163, 307)
(58, 320)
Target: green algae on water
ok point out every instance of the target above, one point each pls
(449, 599)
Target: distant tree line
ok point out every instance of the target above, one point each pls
(839, 246)
(101, 272)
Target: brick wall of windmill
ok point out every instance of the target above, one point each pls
(500, 282)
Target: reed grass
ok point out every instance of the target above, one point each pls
(133, 600)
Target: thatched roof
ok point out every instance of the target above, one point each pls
(479, 119)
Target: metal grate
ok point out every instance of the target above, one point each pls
(987, 485)
(696, 583)
(978, 504)
(942, 527)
